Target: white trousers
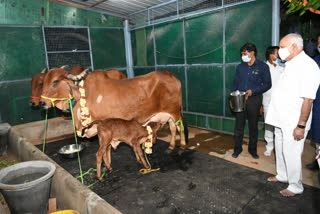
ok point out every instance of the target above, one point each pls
(288, 159)
(268, 132)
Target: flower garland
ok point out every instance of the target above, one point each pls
(148, 143)
(84, 111)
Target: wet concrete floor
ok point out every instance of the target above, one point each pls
(191, 183)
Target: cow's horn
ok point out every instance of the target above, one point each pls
(63, 67)
(79, 76)
(43, 71)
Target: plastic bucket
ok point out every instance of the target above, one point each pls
(26, 186)
(238, 101)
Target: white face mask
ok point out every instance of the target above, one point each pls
(284, 53)
(246, 58)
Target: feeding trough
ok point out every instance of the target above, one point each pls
(26, 186)
(70, 151)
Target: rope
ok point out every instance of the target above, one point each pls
(181, 127)
(87, 172)
(190, 57)
(35, 97)
(147, 148)
(45, 131)
(146, 171)
(54, 99)
(75, 136)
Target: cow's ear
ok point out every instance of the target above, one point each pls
(62, 105)
(74, 91)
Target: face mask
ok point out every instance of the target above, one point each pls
(277, 62)
(246, 58)
(318, 49)
(284, 53)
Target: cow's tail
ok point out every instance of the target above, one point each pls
(186, 131)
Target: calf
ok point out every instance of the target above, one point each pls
(113, 131)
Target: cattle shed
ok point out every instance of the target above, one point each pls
(197, 40)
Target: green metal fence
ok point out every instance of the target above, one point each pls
(22, 52)
(203, 53)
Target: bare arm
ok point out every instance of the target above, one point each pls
(298, 133)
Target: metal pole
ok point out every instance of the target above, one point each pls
(275, 22)
(90, 49)
(45, 47)
(127, 39)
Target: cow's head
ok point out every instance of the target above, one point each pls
(36, 88)
(57, 85)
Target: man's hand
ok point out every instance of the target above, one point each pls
(261, 111)
(248, 93)
(230, 103)
(298, 133)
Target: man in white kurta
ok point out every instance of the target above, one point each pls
(290, 111)
(275, 72)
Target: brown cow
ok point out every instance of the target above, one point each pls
(113, 131)
(37, 81)
(154, 97)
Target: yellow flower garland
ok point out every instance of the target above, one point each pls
(84, 111)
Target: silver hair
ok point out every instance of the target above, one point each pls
(296, 39)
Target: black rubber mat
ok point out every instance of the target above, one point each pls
(191, 183)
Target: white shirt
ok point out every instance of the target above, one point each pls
(300, 79)
(275, 73)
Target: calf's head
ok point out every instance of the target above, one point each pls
(36, 88)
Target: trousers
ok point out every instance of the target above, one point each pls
(251, 113)
(288, 159)
(268, 132)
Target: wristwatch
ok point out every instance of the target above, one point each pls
(301, 126)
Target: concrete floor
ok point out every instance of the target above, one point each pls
(221, 145)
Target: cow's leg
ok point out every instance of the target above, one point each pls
(137, 154)
(140, 154)
(182, 136)
(103, 145)
(173, 131)
(107, 158)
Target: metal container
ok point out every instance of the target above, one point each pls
(70, 151)
(238, 101)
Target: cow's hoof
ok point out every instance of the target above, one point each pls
(181, 151)
(168, 151)
(100, 178)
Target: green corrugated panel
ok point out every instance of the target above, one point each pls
(190, 119)
(215, 123)
(108, 48)
(201, 121)
(98, 19)
(179, 73)
(57, 14)
(21, 53)
(142, 71)
(142, 47)
(3, 12)
(249, 22)
(205, 90)
(228, 125)
(14, 107)
(21, 12)
(230, 72)
(169, 43)
(204, 36)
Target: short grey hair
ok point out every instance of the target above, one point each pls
(296, 39)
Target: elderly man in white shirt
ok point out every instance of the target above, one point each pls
(290, 111)
(273, 62)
